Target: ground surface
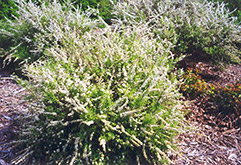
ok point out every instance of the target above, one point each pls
(11, 106)
(215, 138)
(212, 139)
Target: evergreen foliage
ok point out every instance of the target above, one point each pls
(8, 9)
(105, 7)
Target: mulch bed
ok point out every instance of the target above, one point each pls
(208, 145)
(11, 106)
(211, 139)
(215, 137)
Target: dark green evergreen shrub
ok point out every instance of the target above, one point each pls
(5, 40)
(105, 7)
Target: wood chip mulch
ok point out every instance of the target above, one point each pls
(215, 138)
(11, 106)
(208, 145)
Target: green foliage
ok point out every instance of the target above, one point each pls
(194, 86)
(227, 99)
(102, 99)
(8, 9)
(105, 7)
(99, 96)
(5, 40)
(40, 27)
(200, 28)
(11, 42)
(16, 41)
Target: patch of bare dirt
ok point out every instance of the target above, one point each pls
(230, 75)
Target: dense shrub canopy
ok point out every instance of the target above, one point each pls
(112, 98)
(104, 6)
(39, 26)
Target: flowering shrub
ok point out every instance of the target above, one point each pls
(99, 96)
(41, 26)
(234, 6)
(104, 6)
(102, 99)
(196, 27)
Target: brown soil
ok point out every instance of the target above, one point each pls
(212, 139)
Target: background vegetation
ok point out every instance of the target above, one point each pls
(104, 6)
(200, 28)
(8, 7)
(233, 5)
